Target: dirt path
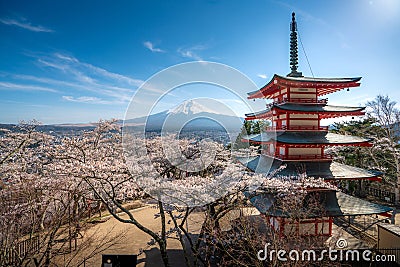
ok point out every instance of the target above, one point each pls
(128, 239)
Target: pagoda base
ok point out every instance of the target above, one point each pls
(301, 227)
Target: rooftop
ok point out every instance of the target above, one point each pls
(323, 85)
(324, 111)
(307, 138)
(333, 203)
(326, 170)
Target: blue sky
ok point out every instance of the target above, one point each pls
(74, 61)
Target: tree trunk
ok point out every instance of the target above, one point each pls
(397, 192)
(164, 254)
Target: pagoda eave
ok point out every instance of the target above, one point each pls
(335, 203)
(328, 170)
(374, 178)
(386, 214)
(300, 145)
(265, 117)
(324, 86)
(324, 115)
(341, 114)
(323, 111)
(305, 139)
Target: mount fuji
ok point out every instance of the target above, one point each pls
(191, 115)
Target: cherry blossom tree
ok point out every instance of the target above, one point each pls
(58, 175)
(35, 202)
(387, 116)
(97, 160)
(43, 205)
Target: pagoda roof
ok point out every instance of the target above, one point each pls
(307, 138)
(325, 111)
(319, 80)
(333, 204)
(326, 170)
(323, 85)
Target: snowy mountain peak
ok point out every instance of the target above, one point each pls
(191, 107)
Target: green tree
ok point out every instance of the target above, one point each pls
(248, 128)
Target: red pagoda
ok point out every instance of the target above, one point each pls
(297, 140)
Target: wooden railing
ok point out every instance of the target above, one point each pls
(13, 255)
(303, 157)
(302, 101)
(297, 128)
(381, 194)
(308, 100)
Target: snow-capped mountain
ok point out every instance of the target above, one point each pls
(191, 107)
(190, 115)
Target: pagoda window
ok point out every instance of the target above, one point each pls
(283, 122)
(271, 150)
(282, 151)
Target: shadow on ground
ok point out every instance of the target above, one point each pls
(153, 258)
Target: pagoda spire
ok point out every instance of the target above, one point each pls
(294, 59)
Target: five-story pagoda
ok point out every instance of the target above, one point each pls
(297, 139)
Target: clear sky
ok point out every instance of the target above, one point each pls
(79, 61)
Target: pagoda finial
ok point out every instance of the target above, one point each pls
(294, 60)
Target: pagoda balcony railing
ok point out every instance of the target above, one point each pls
(302, 101)
(297, 128)
(308, 100)
(304, 157)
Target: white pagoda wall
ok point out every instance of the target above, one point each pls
(304, 151)
(308, 93)
(303, 119)
(304, 123)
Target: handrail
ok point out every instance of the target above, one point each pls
(294, 157)
(302, 157)
(308, 100)
(302, 100)
(297, 128)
